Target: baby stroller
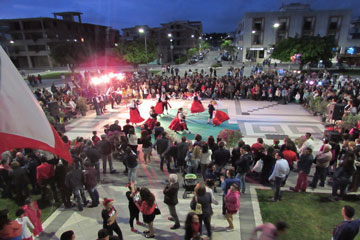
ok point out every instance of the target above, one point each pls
(190, 181)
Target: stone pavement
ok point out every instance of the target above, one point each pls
(254, 118)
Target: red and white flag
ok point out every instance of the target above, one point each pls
(23, 123)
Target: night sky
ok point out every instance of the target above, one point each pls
(216, 15)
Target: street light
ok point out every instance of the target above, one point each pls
(276, 25)
(192, 36)
(169, 35)
(12, 42)
(253, 31)
(141, 30)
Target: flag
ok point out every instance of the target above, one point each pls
(23, 123)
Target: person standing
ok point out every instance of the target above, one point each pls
(349, 228)
(221, 157)
(147, 205)
(204, 199)
(232, 203)
(133, 210)
(162, 146)
(109, 214)
(243, 165)
(303, 166)
(105, 150)
(171, 199)
(45, 175)
(90, 183)
(26, 224)
(205, 159)
(279, 174)
(132, 164)
(211, 110)
(322, 164)
(192, 226)
(33, 212)
(74, 181)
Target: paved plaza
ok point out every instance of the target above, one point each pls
(254, 118)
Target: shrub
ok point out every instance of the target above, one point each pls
(230, 137)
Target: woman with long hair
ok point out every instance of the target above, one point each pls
(132, 140)
(204, 198)
(232, 203)
(146, 205)
(145, 140)
(192, 226)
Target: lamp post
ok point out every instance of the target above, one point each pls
(171, 47)
(200, 44)
(141, 30)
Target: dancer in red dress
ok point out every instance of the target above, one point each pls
(152, 119)
(159, 109)
(196, 106)
(175, 123)
(220, 117)
(134, 112)
(183, 124)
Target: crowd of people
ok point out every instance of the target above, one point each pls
(209, 159)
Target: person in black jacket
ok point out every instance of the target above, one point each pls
(74, 180)
(221, 157)
(204, 198)
(304, 166)
(162, 146)
(171, 199)
(105, 149)
(243, 165)
(268, 164)
(182, 149)
(93, 154)
(133, 210)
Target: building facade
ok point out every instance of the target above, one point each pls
(174, 39)
(133, 34)
(28, 41)
(258, 32)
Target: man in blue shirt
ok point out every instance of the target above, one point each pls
(279, 174)
(349, 228)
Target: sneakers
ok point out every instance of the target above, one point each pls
(133, 230)
(139, 223)
(229, 229)
(113, 171)
(293, 189)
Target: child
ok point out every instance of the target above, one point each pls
(133, 210)
(90, 183)
(95, 138)
(26, 224)
(33, 212)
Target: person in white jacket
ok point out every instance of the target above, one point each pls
(26, 224)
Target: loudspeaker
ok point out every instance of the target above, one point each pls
(336, 111)
(333, 136)
(53, 108)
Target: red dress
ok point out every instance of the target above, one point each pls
(197, 107)
(135, 116)
(175, 124)
(220, 117)
(159, 108)
(151, 121)
(34, 214)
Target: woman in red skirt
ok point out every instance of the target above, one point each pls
(152, 119)
(134, 113)
(220, 117)
(175, 123)
(159, 109)
(196, 106)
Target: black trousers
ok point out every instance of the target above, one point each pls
(134, 214)
(206, 221)
(115, 228)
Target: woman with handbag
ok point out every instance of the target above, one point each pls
(147, 206)
(201, 204)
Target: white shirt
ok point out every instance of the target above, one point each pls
(206, 157)
(25, 225)
(309, 143)
(281, 169)
(213, 200)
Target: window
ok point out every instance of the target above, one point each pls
(178, 34)
(261, 54)
(334, 23)
(32, 25)
(308, 26)
(256, 39)
(178, 43)
(37, 48)
(257, 31)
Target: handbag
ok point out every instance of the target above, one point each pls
(258, 166)
(157, 210)
(198, 208)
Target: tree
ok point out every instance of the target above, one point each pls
(204, 45)
(70, 53)
(228, 46)
(312, 49)
(134, 51)
(192, 51)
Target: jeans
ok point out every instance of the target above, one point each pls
(173, 214)
(242, 176)
(106, 158)
(203, 170)
(340, 184)
(132, 174)
(163, 160)
(94, 195)
(193, 167)
(77, 192)
(219, 168)
(320, 173)
(277, 185)
(206, 221)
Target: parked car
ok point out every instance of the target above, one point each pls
(193, 60)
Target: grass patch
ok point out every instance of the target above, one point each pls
(12, 207)
(54, 75)
(155, 71)
(310, 216)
